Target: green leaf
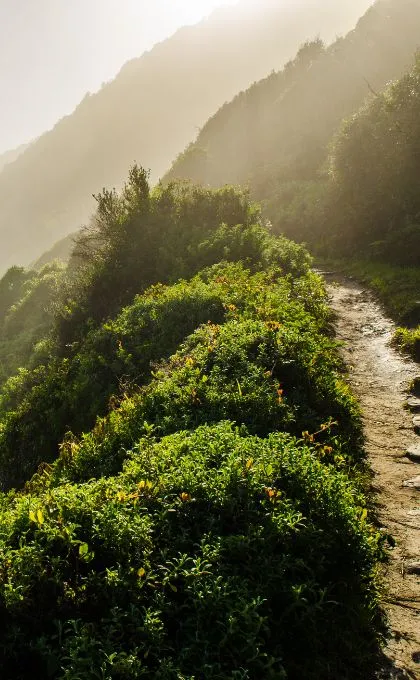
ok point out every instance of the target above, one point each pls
(83, 549)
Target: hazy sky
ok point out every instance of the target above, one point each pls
(54, 51)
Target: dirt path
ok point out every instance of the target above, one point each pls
(380, 378)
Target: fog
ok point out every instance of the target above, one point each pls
(54, 51)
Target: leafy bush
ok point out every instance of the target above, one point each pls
(269, 365)
(143, 236)
(213, 554)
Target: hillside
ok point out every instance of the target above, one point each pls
(149, 113)
(275, 135)
(12, 155)
(61, 250)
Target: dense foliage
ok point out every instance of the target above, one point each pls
(138, 237)
(189, 457)
(375, 176)
(213, 554)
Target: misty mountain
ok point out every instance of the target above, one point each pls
(12, 155)
(148, 113)
(276, 135)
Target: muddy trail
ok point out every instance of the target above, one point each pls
(380, 377)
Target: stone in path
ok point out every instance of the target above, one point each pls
(413, 453)
(412, 568)
(413, 483)
(416, 423)
(413, 404)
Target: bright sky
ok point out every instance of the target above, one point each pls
(54, 51)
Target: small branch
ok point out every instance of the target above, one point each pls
(371, 88)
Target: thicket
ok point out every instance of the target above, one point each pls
(213, 554)
(197, 508)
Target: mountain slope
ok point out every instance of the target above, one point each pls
(148, 113)
(12, 155)
(275, 135)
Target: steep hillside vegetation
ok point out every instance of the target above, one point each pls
(211, 522)
(275, 136)
(374, 201)
(149, 112)
(26, 313)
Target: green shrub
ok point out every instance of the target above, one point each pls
(212, 555)
(142, 236)
(408, 341)
(38, 407)
(268, 366)
(196, 510)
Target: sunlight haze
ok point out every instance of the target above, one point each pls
(54, 51)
